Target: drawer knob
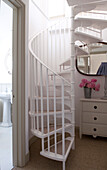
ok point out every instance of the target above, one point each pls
(95, 118)
(95, 107)
(95, 129)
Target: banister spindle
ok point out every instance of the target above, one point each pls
(55, 50)
(51, 48)
(55, 114)
(63, 127)
(33, 89)
(31, 82)
(60, 41)
(43, 54)
(41, 51)
(64, 42)
(47, 86)
(47, 47)
(37, 110)
(42, 120)
(39, 46)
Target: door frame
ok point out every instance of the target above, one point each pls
(19, 79)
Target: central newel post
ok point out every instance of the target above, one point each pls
(72, 63)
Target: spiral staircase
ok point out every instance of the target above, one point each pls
(52, 75)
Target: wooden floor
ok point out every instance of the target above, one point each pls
(90, 154)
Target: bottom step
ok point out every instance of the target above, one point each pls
(59, 157)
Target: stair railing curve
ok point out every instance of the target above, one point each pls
(42, 124)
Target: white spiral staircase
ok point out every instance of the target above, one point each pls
(52, 73)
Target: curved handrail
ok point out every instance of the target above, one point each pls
(32, 52)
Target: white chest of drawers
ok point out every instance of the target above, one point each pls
(93, 117)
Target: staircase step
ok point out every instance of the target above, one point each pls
(95, 5)
(59, 157)
(50, 113)
(87, 38)
(98, 49)
(39, 134)
(58, 85)
(79, 2)
(52, 98)
(64, 72)
(93, 22)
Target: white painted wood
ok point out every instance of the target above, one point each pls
(98, 23)
(59, 157)
(37, 107)
(52, 127)
(59, 130)
(79, 2)
(83, 34)
(63, 123)
(63, 165)
(51, 47)
(95, 5)
(55, 114)
(94, 130)
(42, 122)
(95, 106)
(48, 113)
(86, 37)
(47, 47)
(72, 74)
(93, 118)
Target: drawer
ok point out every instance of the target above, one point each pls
(92, 117)
(95, 107)
(95, 130)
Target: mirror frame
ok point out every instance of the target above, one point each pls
(82, 72)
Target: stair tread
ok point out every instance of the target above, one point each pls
(52, 97)
(99, 5)
(50, 112)
(38, 133)
(81, 33)
(68, 144)
(93, 22)
(59, 85)
(79, 2)
(68, 71)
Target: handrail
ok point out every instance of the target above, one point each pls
(30, 48)
(46, 65)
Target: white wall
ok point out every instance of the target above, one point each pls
(37, 21)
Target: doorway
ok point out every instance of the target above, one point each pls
(6, 37)
(18, 82)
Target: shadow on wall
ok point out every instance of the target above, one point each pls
(1, 111)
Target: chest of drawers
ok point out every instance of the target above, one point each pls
(93, 117)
